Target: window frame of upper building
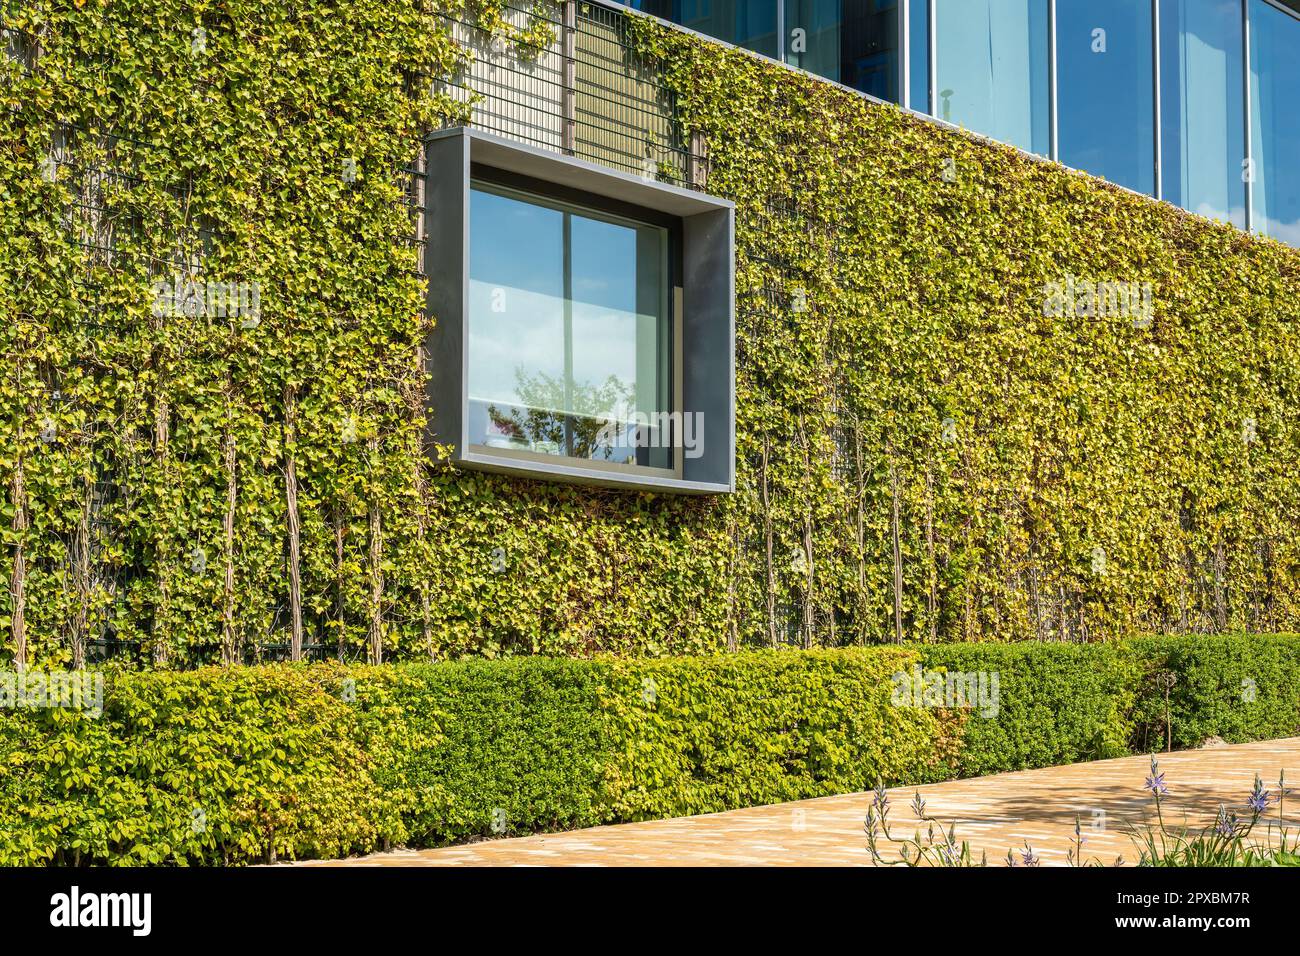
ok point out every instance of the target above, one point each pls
(690, 432)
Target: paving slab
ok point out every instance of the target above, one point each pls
(994, 814)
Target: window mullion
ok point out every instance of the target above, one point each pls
(1053, 137)
(568, 333)
(1251, 171)
(1157, 114)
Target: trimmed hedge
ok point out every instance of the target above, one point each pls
(1215, 679)
(262, 763)
(250, 764)
(210, 766)
(703, 735)
(523, 737)
(1058, 703)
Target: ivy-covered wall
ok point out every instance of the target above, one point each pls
(923, 452)
(959, 454)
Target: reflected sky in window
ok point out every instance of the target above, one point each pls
(992, 69)
(1275, 121)
(1106, 90)
(1203, 138)
(568, 329)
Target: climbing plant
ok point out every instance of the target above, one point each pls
(212, 323)
(213, 442)
(948, 450)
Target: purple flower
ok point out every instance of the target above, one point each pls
(881, 800)
(1226, 824)
(1156, 782)
(1028, 857)
(918, 805)
(1258, 801)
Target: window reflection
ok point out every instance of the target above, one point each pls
(568, 332)
(747, 23)
(1202, 128)
(1106, 90)
(1275, 122)
(869, 48)
(992, 69)
(918, 43)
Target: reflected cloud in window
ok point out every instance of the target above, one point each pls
(569, 332)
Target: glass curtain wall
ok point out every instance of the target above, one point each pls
(1105, 96)
(812, 36)
(854, 42)
(1275, 121)
(748, 23)
(918, 46)
(1202, 131)
(1119, 64)
(869, 55)
(992, 58)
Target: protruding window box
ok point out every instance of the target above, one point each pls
(585, 319)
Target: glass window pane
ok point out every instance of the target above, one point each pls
(1275, 121)
(992, 60)
(918, 40)
(747, 23)
(516, 314)
(619, 341)
(1106, 90)
(866, 46)
(812, 36)
(1202, 135)
(569, 339)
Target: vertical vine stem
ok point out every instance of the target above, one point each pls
(292, 521)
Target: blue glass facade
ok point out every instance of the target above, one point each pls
(991, 68)
(1275, 122)
(748, 23)
(1202, 102)
(1105, 54)
(1185, 100)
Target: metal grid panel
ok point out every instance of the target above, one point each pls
(624, 117)
(515, 89)
(584, 93)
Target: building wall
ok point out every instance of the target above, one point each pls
(1177, 99)
(925, 449)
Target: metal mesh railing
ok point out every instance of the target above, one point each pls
(515, 87)
(583, 92)
(624, 117)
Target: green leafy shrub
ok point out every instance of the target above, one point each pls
(210, 766)
(1057, 703)
(520, 747)
(1235, 687)
(697, 735)
(250, 764)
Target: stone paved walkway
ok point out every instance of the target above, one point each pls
(994, 814)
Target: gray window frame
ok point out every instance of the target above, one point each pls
(703, 312)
